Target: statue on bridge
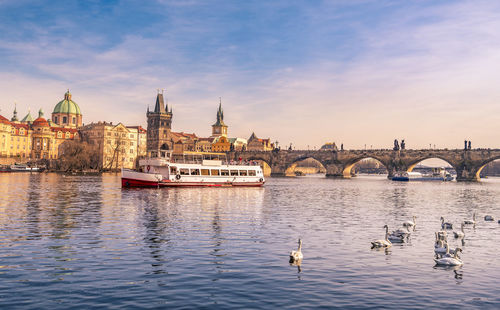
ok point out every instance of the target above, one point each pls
(467, 145)
(396, 145)
(403, 145)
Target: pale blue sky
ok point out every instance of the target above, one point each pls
(351, 71)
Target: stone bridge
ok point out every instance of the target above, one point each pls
(467, 163)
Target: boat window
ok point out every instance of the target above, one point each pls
(243, 172)
(251, 173)
(234, 172)
(173, 170)
(224, 172)
(195, 171)
(215, 171)
(205, 172)
(184, 171)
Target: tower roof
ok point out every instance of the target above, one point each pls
(160, 103)
(27, 118)
(67, 105)
(220, 115)
(14, 115)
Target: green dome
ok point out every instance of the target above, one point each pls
(67, 105)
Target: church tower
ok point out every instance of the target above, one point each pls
(159, 127)
(219, 128)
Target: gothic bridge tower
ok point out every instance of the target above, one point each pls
(159, 127)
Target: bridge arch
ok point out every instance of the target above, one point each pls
(290, 166)
(347, 167)
(414, 163)
(265, 168)
(480, 168)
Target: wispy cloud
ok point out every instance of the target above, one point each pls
(361, 72)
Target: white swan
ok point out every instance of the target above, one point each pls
(403, 231)
(410, 224)
(296, 255)
(383, 243)
(459, 234)
(450, 261)
(440, 247)
(488, 218)
(446, 225)
(471, 222)
(442, 235)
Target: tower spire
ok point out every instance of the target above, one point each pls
(14, 115)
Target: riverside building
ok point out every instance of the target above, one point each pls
(40, 138)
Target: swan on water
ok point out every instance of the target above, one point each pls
(461, 233)
(410, 224)
(383, 243)
(473, 221)
(488, 218)
(440, 247)
(450, 261)
(446, 225)
(296, 255)
(442, 235)
(399, 236)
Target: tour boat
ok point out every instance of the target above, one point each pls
(23, 168)
(438, 174)
(192, 169)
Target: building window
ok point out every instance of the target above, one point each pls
(67, 135)
(59, 134)
(55, 120)
(74, 120)
(65, 120)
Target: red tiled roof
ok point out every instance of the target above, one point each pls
(4, 120)
(17, 125)
(139, 128)
(41, 122)
(55, 129)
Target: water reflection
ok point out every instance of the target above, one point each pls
(60, 236)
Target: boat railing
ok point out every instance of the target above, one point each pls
(223, 162)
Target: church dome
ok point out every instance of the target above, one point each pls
(67, 106)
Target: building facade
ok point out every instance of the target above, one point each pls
(32, 139)
(117, 144)
(257, 144)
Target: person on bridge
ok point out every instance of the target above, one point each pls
(469, 145)
(465, 144)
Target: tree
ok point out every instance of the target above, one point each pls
(78, 156)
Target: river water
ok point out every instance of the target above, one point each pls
(82, 242)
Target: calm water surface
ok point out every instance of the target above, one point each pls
(83, 242)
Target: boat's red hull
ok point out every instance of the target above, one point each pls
(127, 182)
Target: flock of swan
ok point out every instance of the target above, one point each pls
(445, 256)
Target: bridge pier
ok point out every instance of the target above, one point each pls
(334, 171)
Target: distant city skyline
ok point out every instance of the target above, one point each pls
(303, 72)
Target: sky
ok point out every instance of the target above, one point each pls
(357, 72)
